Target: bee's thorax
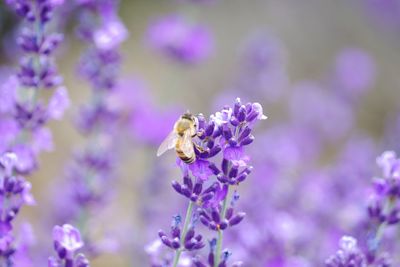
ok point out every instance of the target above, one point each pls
(184, 124)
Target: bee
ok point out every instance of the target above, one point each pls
(180, 138)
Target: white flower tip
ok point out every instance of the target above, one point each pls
(387, 155)
(110, 35)
(257, 107)
(11, 156)
(153, 247)
(9, 160)
(348, 243)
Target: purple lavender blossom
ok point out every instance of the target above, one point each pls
(190, 241)
(348, 255)
(67, 241)
(14, 193)
(383, 209)
(110, 35)
(180, 40)
(67, 237)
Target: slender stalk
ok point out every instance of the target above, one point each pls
(188, 218)
(382, 226)
(220, 232)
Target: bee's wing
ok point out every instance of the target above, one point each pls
(187, 144)
(168, 143)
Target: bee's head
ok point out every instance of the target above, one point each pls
(192, 120)
(187, 115)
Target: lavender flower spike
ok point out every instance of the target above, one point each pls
(67, 241)
(383, 208)
(383, 212)
(24, 113)
(206, 183)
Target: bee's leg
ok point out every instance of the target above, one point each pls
(199, 148)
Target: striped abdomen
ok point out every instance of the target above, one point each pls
(185, 158)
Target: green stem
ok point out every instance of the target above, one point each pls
(381, 228)
(220, 232)
(188, 218)
(219, 248)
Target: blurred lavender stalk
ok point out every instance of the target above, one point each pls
(91, 174)
(24, 115)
